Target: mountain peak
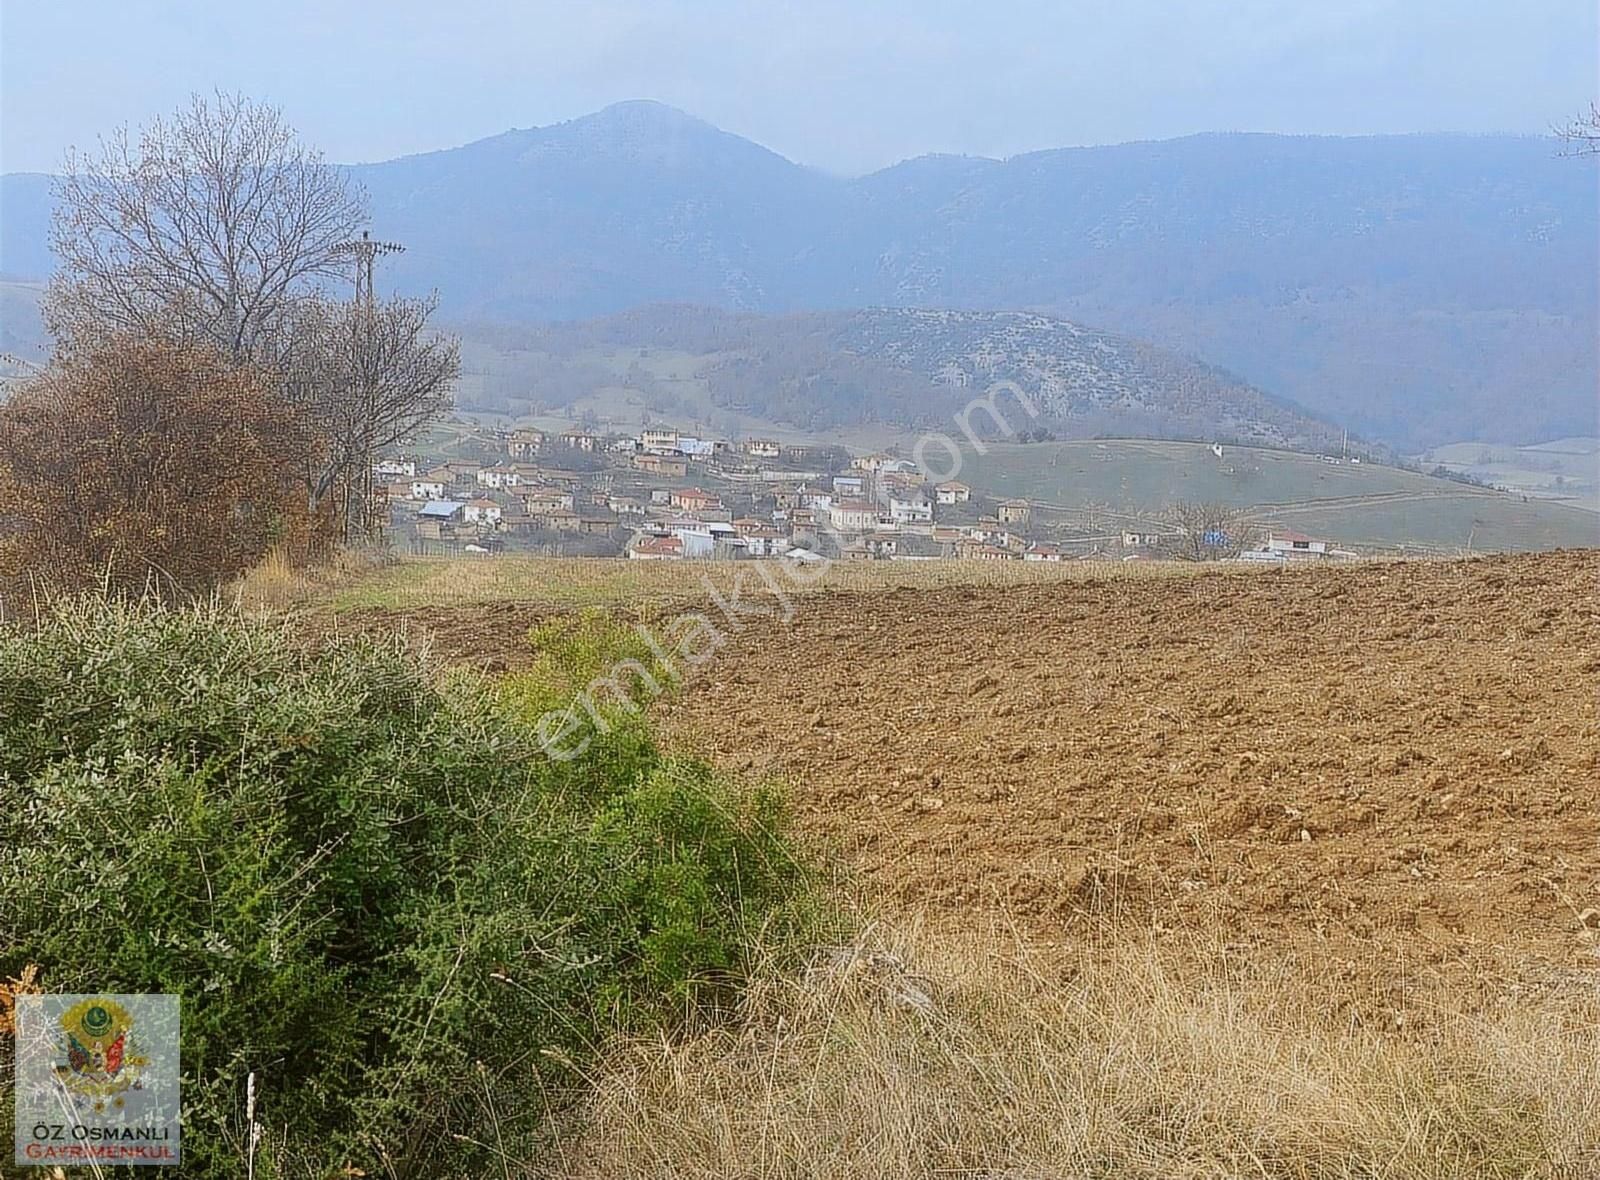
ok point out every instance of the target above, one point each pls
(643, 110)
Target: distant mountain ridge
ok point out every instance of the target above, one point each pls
(1420, 288)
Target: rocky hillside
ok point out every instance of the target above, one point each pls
(904, 367)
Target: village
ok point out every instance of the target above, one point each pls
(665, 495)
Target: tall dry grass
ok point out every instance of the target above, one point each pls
(278, 581)
(1130, 1063)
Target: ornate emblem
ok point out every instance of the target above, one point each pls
(102, 1058)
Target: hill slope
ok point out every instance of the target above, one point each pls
(1424, 288)
(908, 368)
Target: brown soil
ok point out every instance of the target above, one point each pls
(1390, 767)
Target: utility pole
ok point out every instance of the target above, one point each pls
(365, 251)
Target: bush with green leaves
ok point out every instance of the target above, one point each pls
(363, 879)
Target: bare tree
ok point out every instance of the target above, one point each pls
(1583, 133)
(205, 229)
(366, 376)
(1208, 531)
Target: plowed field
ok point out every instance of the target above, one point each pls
(1392, 768)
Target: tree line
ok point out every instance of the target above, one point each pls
(210, 394)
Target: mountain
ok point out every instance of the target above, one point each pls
(1422, 289)
(900, 367)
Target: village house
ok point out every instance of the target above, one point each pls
(693, 499)
(394, 469)
(464, 470)
(877, 461)
(952, 492)
(438, 519)
(543, 501)
(819, 501)
(670, 466)
(1041, 553)
(563, 520)
(696, 448)
(1017, 512)
(596, 522)
(1133, 539)
(910, 510)
(658, 441)
(849, 487)
(625, 505)
(979, 551)
(900, 482)
(527, 473)
(989, 533)
(763, 448)
(656, 549)
(852, 516)
(481, 511)
(427, 489)
(524, 443)
(764, 542)
(1289, 543)
(580, 440)
(500, 478)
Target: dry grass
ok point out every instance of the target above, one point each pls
(568, 582)
(277, 582)
(1130, 1062)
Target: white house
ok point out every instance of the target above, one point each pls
(1041, 553)
(427, 489)
(1292, 544)
(481, 511)
(499, 477)
(658, 441)
(390, 469)
(910, 510)
(763, 448)
(952, 492)
(765, 542)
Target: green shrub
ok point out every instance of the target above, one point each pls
(369, 888)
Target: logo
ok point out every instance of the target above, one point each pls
(97, 1080)
(102, 1059)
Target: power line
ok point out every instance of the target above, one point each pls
(366, 251)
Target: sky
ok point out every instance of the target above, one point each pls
(845, 85)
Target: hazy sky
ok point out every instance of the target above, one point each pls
(849, 85)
